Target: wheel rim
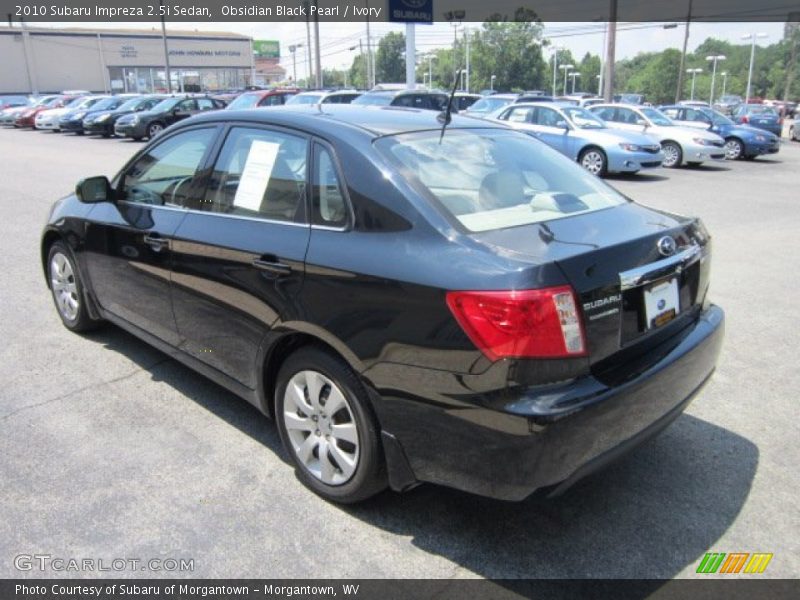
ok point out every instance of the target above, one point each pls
(593, 162)
(155, 130)
(732, 149)
(65, 291)
(321, 427)
(670, 155)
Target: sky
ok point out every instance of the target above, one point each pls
(337, 39)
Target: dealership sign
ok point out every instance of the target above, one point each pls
(267, 48)
(411, 11)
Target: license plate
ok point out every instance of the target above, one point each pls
(661, 302)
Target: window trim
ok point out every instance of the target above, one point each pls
(350, 213)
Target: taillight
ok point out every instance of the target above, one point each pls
(541, 323)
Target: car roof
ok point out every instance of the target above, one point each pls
(330, 118)
(394, 93)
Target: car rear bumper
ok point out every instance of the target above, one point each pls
(532, 443)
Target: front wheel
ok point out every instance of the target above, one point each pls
(733, 149)
(594, 160)
(673, 155)
(327, 427)
(67, 289)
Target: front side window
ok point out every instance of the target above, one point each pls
(205, 104)
(259, 173)
(582, 118)
(518, 114)
(626, 115)
(672, 113)
(547, 117)
(492, 179)
(163, 175)
(656, 117)
(607, 113)
(328, 204)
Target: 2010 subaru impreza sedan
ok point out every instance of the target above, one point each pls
(463, 306)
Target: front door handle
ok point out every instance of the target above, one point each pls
(155, 241)
(272, 265)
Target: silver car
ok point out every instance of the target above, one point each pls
(580, 135)
(681, 145)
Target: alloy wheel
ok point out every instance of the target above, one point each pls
(671, 155)
(321, 427)
(733, 149)
(65, 291)
(154, 129)
(593, 161)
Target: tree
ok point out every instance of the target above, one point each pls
(357, 76)
(390, 65)
(590, 71)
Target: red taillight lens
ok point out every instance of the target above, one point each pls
(521, 324)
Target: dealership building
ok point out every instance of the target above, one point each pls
(39, 60)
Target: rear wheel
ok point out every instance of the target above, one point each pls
(154, 129)
(673, 155)
(594, 160)
(734, 149)
(327, 427)
(67, 289)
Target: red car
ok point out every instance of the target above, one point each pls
(27, 118)
(273, 97)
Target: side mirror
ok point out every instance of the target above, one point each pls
(94, 189)
(642, 123)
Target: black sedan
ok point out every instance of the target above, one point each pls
(102, 122)
(466, 307)
(149, 123)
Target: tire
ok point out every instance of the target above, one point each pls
(354, 467)
(594, 160)
(734, 149)
(153, 129)
(67, 289)
(673, 154)
(694, 164)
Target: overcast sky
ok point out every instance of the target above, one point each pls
(338, 38)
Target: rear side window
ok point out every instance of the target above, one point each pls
(259, 173)
(329, 207)
(607, 114)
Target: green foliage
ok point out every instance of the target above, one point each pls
(390, 65)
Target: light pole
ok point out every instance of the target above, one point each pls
(455, 17)
(599, 84)
(714, 59)
(724, 82)
(491, 82)
(694, 73)
(566, 69)
(752, 36)
(293, 48)
(431, 57)
(573, 76)
(555, 65)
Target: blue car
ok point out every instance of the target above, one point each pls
(584, 137)
(760, 116)
(741, 141)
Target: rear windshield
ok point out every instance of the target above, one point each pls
(492, 178)
(245, 101)
(374, 99)
(487, 105)
(761, 110)
(304, 99)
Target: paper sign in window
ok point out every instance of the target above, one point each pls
(255, 176)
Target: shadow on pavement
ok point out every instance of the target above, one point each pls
(649, 515)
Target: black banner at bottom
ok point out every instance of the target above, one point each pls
(388, 589)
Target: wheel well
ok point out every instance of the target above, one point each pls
(49, 239)
(733, 137)
(591, 147)
(278, 354)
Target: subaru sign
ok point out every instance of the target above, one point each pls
(411, 11)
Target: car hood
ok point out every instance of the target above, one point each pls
(54, 112)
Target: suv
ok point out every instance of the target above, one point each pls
(150, 123)
(408, 98)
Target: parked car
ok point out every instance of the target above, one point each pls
(680, 145)
(534, 98)
(489, 104)
(272, 97)
(468, 308)
(728, 103)
(73, 120)
(629, 98)
(427, 100)
(12, 101)
(463, 100)
(741, 141)
(581, 136)
(695, 103)
(758, 115)
(9, 115)
(149, 123)
(50, 119)
(102, 122)
(324, 97)
(27, 116)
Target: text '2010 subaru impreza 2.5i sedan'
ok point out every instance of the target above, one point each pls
(463, 306)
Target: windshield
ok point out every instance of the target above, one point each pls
(106, 104)
(718, 118)
(245, 101)
(657, 117)
(492, 179)
(77, 102)
(583, 119)
(374, 99)
(487, 105)
(166, 104)
(304, 99)
(132, 104)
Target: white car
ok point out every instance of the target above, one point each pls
(48, 119)
(680, 145)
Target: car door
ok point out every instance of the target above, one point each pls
(239, 254)
(129, 241)
(183, 110)
(552, 129)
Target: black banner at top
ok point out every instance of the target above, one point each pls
(40, 11)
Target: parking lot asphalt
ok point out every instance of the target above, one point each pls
(111, 450)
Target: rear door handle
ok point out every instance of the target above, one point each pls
(272, 265)
(155, 241)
